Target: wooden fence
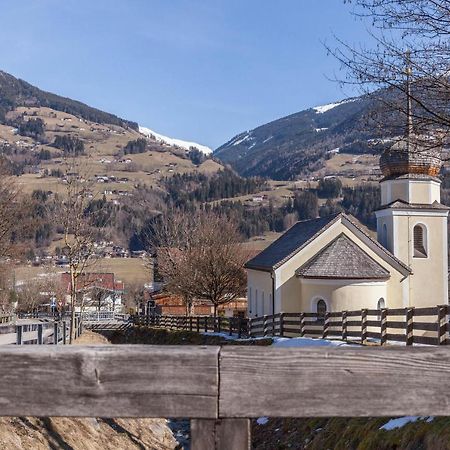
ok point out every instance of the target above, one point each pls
(230, 325)
(220, 389)
(39, 333)
(407, 325)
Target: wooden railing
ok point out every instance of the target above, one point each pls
(220, 389)
(407, 325)
(229, 325)
(39, 333)
(6, 318)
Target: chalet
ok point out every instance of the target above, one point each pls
(99, 291)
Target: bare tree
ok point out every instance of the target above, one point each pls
(200, 257)
(407, 56)
(80, 235)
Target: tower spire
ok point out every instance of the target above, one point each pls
(409, 122)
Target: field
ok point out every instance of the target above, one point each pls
(128, 270)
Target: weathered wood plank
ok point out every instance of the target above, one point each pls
(317, 382)
(225, 434)
(109, 381)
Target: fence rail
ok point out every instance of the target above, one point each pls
(410, 326)
(146, 381)
(57, 332)
(230, 325)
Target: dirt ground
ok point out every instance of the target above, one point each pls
(31, 433)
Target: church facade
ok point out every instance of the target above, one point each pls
(332, 264)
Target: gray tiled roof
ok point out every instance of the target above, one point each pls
(290, 243)
(342, 259)
(400, 204)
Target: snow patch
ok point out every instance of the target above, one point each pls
(171, 141)
(400, 422)
(262, 420)
(334, 150)
(241, 140)
(305, 342)
(318, 130)
(324, 108)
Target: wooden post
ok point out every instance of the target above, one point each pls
(281, 324)
(19, 334)
(230, 324)
(64, 332)
(363, 326)
(55, 333)
(442, 325)
(344, 325)
(265, 326)
(190, 323)
(326, 325)
(239, 327)
(409, 330)
(223, 434)
(206, 324)
(198, 324)
(40, 336)
(383, 326)
(249, 325)
(302, 324)
(219, 328)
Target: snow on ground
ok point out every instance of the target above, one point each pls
(400, 422)
(324, 108)
(262, 420)
(306, 342)
(180, 143)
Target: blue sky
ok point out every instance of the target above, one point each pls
(201, 70)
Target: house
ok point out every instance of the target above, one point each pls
(332, 264)
(99, 291)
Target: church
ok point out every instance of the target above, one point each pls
(331, 264)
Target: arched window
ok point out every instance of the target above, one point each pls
(420, 241)
(384, 239)
(381, 304)
(321, 309)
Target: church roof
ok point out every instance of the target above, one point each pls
(342, 259)
(304, 232)
(401, 204)
(290, 243)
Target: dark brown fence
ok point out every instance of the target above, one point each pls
(407, 325)
(220, 388)
(230, 325)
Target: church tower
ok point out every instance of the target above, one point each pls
(412, 223)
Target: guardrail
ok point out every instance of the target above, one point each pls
(220, 389)
(7, 318)
(99, 316)
(39, 333)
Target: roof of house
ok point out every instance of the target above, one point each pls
(290, 243)
(342, 259)
(92, 280)
(304, 232)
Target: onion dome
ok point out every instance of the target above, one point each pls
(411, 156)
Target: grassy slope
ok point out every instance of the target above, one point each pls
(350, 434)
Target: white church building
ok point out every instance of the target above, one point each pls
(332, 264)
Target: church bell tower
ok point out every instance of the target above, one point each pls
(412, 223)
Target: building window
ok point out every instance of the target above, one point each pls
(381, 304)
(420, 241)
(384, 239)
(321, 309)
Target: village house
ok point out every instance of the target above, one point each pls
(98, 291)
(332, 264)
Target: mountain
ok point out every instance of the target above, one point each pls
(300, 143)
(176, 142)
(15, 92)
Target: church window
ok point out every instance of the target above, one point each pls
(321, 309)
(420, 241)
(381, 304)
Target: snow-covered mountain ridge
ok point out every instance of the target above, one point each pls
(171, 141)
